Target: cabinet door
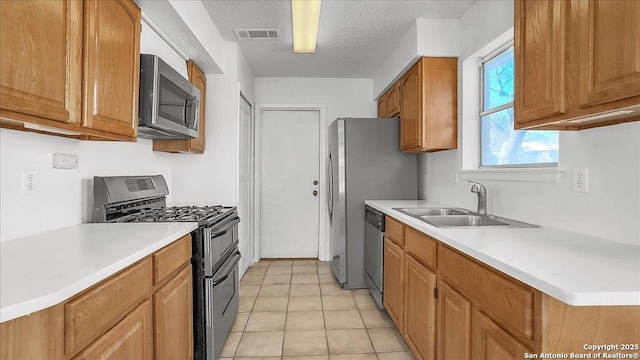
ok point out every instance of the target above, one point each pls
(131, 338)
(394, 282)
(454, 324)
(539, 55)
(111, 66)
(383, 106)
(411, 105)
(393, 100)
(173, 317)
(490, 342)
(419, 309)
(609, 50)
(198, 78)
(40, 61)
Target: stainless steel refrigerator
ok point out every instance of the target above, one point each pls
(364, 162)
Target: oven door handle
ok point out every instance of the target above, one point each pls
(229, 268)
(209, 302)
(226, 227)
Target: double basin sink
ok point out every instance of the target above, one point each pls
(448, 217)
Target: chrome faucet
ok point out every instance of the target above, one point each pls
(482, 197)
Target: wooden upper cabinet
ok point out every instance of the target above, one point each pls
(111, 66)
(411, 120)
(70, 67)
(577, 63)
(383, 110)
(393, 100)
(609, 51)
(40, 61)
(193, 146)
(539, 51)
(429, 106)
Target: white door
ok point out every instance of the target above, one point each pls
(290, 170)
(245, 208)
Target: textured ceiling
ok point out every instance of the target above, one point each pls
(354, 38)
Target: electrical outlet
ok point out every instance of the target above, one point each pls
(580, 180)
(29, 182)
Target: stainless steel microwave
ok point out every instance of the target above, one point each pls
(169, 105)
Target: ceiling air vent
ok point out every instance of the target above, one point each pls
(258, 34)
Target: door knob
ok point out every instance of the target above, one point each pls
(315, 182)
(315, 192)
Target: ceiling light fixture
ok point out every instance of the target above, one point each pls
(306, 18)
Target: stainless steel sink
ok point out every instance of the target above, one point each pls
(447, 217)
(474, 221)
(462, 221)
(432, 211)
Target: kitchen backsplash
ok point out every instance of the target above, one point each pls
(610, 209)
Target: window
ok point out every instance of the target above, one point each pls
(500, 145)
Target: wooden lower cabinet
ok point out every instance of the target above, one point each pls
(172, 329)
(123, 317)
(480, 313)
(394, 282)
(490, 342)
(454, 324)
(419, 309)
(132, 338)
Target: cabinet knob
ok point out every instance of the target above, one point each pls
(315, 192)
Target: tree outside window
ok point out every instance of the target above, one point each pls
(501, 145)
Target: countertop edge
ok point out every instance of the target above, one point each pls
(28, 307)
(571, 298)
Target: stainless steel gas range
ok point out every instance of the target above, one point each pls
(215, 256)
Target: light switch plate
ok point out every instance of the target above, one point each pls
(65, 161)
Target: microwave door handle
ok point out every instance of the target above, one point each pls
(196, 119)
(185, 111)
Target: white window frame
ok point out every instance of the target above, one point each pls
(468, 157)
(482, 112)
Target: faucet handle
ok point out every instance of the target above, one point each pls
(477, 187)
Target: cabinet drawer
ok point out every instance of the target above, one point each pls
(170, 258)
(131, 338)
(394, 230)
(95, 310)
(508, 303)
(421, 246)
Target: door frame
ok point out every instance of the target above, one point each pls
(244, 265)
(323, 244)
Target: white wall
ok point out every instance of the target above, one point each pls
(213, 176)
(425, 37)
(610, 210)
(64, 197)
(342, 97)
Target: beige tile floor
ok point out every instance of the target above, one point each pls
(295, 310)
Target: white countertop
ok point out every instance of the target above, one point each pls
(43, 270)
(576, 269)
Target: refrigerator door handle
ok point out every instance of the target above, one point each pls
(330, 187)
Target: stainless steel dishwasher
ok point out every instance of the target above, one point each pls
(374, 253)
